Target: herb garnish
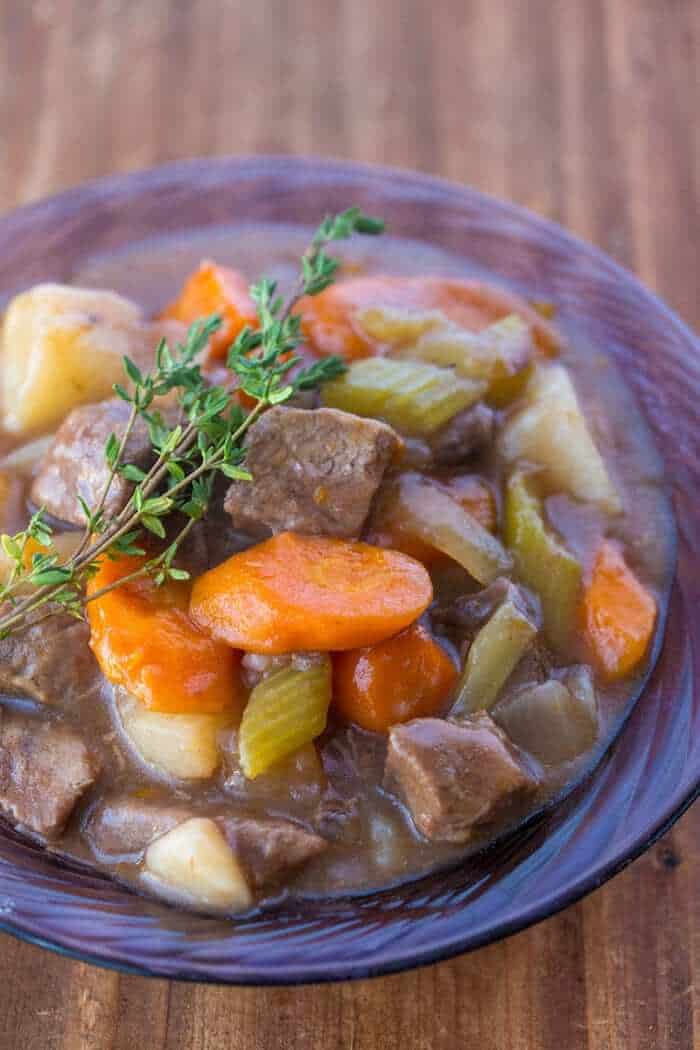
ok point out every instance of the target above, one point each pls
(206, 441)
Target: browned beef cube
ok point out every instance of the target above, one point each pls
(75, 464)
(270, 848)
(124, 825)
(454, 777)
(314, 472)
(50, 662)
(44, 769)
(471, 611)
(465, 435)
(352, 758)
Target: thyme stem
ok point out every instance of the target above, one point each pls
(207, 440)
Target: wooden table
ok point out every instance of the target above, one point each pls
(585, 111)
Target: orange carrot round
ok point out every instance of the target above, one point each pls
(211, 290)
(144, 640)
(619, 614)
(329, 319)
(295, 593)
(408, 676)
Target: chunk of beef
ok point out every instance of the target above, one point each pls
(270, 848)
(468, 433)
(471, 611)
(352, 758)
(50, 662)
(314, 471)
(454, 777)
(339, 819)
(122, 826)
(460, 618)
(76, 466)
(212, 540)
(44, 769)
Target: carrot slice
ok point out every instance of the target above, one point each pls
(295, 593)
(329, 319)
(408, 676)
(619, 613)
(214, 289)
(144, 640)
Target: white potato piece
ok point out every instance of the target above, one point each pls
(26, 458)
(551, 431)
(185, 746)
(62, 347)
(196, 861)
(549, 721)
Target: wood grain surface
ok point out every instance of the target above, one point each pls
(585, 111)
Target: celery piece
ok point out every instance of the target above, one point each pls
(551, 431)
(549, 722)
(500, 355)
(493, 656)
(433, 516)
(392, 327)
(542, 562)
(415, 397)
(284, 712)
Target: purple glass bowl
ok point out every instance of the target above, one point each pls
(645, 780)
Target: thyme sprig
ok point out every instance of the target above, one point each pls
(206, 440)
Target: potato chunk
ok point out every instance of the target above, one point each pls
(25, 459)
(551, 431)
(194, 860)
(182, 745)
(62, 347)
(549, 721)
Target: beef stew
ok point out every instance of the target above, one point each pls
(419, 621)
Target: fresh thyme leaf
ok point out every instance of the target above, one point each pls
(132, 371)
(49, 577)
(154, 525)
(178, 574)
(131, 472)
(11, 547)
(112, 450)
(276, 397)
(235, 473)
(319, 372)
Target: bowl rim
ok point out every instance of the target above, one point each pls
(400, 963)
(74, 199)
